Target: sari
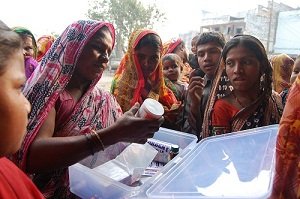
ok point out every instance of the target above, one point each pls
(265, 110)
(128, 82)
(282, 70)
(14, 183)
(96, 109)
(286, 183)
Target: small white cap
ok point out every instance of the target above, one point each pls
(153, 107)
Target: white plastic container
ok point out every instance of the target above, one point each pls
(150, 109)
(238, 165)
(87, 183)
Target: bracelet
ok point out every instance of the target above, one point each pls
(99, 139)
(89, 142)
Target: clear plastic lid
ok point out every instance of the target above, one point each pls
(237, 165)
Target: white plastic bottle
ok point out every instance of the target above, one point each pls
(150, 109)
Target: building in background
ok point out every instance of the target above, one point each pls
(187, 38)
(226, 24)
(287, 34)
(260, 22)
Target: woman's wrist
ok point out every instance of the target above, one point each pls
(99, 140)
(108, 136)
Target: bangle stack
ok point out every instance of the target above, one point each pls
(92, 143)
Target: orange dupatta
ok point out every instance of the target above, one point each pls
(287, 171)
(129, 81)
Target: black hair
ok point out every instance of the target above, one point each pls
(215, 37)
(10, 42)
(173, 57)
(258, 49)
(150, 40)
(195, 38)
(105, 29)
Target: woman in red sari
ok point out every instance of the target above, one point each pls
(14, 109)
(242, 96)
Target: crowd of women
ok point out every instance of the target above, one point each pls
(220, 87)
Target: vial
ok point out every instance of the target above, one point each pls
(150, 109)
(174, 151)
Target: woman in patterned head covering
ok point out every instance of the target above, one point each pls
(140, 73)
(282, 70)
(71, 118)
(43, 45)
(242, 97)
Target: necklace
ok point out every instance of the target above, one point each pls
(237, 100)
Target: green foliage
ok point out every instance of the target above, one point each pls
(126, 15)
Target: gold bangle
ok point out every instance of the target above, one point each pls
(98, 138)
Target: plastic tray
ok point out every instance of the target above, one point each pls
(86, 183)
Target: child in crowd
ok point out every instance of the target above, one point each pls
(295, 72)
(172, 67)
(14, 108)
(178, 47)
(193, 61)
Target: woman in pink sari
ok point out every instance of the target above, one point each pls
(71, 118)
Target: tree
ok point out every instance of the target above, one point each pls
(126, 15)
